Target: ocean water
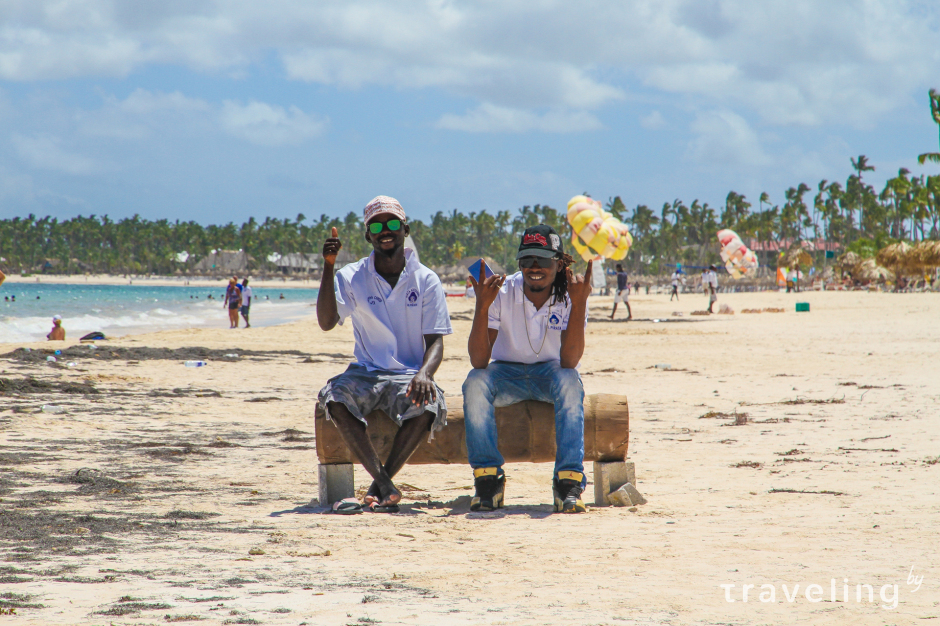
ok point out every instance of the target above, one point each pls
(118, 310)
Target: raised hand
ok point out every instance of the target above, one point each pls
(331, 247)
(486, 288)
(579, 287)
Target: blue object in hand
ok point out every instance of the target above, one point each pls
(475, 270)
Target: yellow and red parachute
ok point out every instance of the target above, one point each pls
(597, 233)
(739, 259)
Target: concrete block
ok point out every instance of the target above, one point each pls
(336, 483)
(626, 495)
(609, 477)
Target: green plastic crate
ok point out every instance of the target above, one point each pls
(802, 307)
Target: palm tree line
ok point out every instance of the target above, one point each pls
(843, 216)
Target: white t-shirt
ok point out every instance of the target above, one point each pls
(246, 295)
(675, 279)
(506, 316)
(712, 278)
(389, 324)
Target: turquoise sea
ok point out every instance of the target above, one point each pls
(119, 310)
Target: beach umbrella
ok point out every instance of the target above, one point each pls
(595, 232)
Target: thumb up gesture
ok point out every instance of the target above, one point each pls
(331, 247)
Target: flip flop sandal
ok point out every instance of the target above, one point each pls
(387, 508)
(349, 506)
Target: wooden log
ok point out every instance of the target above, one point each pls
(526, 433)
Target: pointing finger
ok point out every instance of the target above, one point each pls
(590, 267)
(482, 269)
(334, 233)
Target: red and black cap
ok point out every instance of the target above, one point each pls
(541, 240)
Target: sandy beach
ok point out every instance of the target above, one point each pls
(162, 493)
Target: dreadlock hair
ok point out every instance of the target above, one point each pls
(560, 286)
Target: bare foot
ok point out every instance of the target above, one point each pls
(373, 495)
(390, 494)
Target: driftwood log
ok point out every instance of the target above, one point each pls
(526, 433)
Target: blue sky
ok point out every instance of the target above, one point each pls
(220, 110)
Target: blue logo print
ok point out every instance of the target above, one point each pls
(554, 320)
(412, 297)
(373, 300)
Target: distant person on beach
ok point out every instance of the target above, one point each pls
(281, 297)
(676, 277)
(13, 298)
(712, 286)
(57, 333)
(399, 316)
(523, 347)
(233, 300)
(246, 301)
(623, 292)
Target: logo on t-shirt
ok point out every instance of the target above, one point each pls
(554, 321)
(373, 300)
(412, 297)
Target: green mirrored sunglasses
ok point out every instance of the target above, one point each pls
(376, 227)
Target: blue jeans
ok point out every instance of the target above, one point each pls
(503, 383)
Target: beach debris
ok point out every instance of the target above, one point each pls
(663, 366)
(739, 259)
(51, 359)
(230, 356)
(595, 232)
(256, 552)
(195, 363)
(627, 495)
(699, 313)
(71, 364)
(753, 464)
(724, 309)
(53, 408)
(823, 493)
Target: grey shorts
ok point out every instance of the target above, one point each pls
(362, 392)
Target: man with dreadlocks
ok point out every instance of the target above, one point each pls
(525, 344)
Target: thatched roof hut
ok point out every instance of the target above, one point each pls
(797, 255)
(869, 271)
(926, 254)
(898, 257)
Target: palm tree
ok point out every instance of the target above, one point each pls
(935, 112)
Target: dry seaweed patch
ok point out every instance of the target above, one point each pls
(33, 385)
(753, 464)
(111, 353)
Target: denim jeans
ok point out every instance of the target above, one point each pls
(503, 383)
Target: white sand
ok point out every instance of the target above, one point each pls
(707, 522)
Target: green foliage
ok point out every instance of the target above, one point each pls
(852, 215)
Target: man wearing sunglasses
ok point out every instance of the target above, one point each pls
(399, 318)
(526, 342)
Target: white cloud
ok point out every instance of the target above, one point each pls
(44, 152)
(270, 125)
(724, 138)
(799, 62)
(489, 118)
(653, 121)
(136, 116)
